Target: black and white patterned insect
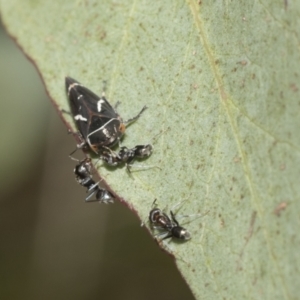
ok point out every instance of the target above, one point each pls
(126, 155)
(168, 226)
(100, 126)
(83, 176)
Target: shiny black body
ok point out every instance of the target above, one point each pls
(169, 227)
(99, 124)
(83, 176)
(97, 121)
(126, 155)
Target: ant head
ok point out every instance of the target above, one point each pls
(154, 214)
(144, 151)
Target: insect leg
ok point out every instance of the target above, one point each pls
(136, 117)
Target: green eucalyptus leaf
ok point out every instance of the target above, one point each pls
(221, 82)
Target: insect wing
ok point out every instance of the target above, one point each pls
(105, 128)
(82, 101)
(96, 120)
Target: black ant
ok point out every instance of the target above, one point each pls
(83, 176)
(168, 226)
(126, 155)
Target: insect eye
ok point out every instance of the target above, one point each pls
(122, 128)
(94, 148)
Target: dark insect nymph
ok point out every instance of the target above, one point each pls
(83, 176)
(100, 126)
(168, 226)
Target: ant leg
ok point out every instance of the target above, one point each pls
(136, 117)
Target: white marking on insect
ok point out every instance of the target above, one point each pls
(80, 118)
(99, 104)
(106, 132)
(97, 130)
(79, 97)
(72, 85)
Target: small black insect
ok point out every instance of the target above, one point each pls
(168, 226)
(99, 124)
(83, 177)
(126, 155)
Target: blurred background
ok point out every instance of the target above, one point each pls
(53, 245)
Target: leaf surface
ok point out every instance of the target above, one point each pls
(221, 82)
